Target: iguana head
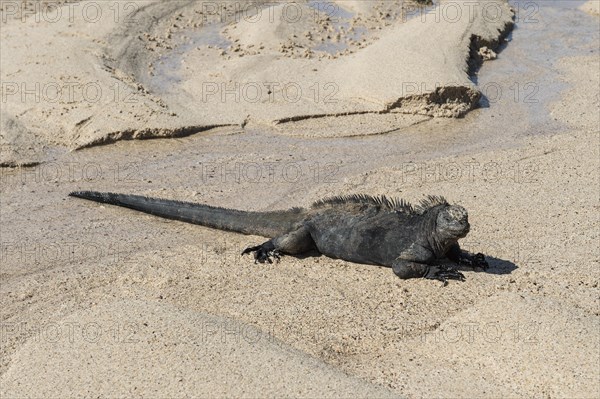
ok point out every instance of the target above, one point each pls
(452, 222)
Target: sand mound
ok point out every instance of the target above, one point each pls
(178, 68)
(283, 28)
(495, 341)
(135, 348)
(417, 67)
(591, 7)
(18, 145)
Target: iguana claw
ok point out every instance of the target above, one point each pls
(477, 260)
(263, 253)
(444, 274)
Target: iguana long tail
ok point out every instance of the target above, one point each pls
(266, 224)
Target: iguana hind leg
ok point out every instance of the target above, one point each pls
(295, 242)
(263, 252)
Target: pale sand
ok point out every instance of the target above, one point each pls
(171, 309)
(164, 351)
(154, 71)
(591, 6)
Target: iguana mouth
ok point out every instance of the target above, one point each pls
(463, 233)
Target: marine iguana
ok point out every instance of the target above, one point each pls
(412, 240)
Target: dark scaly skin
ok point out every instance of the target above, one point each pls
(359, 228)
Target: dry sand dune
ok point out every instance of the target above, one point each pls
(102, 301)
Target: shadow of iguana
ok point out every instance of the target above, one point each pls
(412, 240)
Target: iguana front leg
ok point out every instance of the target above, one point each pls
(416, 262)
(463, 258)
(407, 269)
(294, 242)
